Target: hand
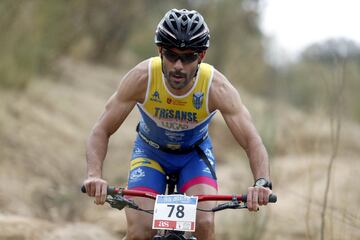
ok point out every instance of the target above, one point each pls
(96, 187)
(257, 196)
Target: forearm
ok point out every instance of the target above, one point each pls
(96, 149)
(258, 159)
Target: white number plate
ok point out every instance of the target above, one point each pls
(175, 212)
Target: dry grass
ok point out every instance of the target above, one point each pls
(42, 136)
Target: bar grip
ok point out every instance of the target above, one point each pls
(272, 198)
(110, 190)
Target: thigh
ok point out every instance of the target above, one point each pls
(139, 224)
(203, 189)
(146, 175)
(196, 172)
(205, 228)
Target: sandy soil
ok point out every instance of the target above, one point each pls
(42, 165)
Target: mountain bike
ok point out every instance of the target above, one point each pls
(170, 210)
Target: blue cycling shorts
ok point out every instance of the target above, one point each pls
(149, 166)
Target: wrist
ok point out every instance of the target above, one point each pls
(94, 175)
(263, 182)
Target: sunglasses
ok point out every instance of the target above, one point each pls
(184, 58)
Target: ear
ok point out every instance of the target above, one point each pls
(202, 56)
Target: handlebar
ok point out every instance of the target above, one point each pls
(135, 193)
(110, 190)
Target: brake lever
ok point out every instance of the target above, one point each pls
(119, 202)
(234, 204)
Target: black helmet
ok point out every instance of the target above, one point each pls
(183, 29)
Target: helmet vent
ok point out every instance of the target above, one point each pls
(183, 29)
(173, 23)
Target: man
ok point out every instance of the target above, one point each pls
(177, 95)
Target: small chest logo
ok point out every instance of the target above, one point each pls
(155, 97)
(176, 102)
(198, 98)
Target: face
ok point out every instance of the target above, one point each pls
(179, 66)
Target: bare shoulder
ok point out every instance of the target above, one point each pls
(222, 95)
(134, 84)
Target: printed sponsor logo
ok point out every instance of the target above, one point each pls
(138, 150)
(174, 136)
(206, 170)
(174, 125)
(155, 97)
(137, 174)
(182, 116)
(175, 102)
(204, 129)
(210, 156)
(144, 127)
(175, 119)
(198, 98)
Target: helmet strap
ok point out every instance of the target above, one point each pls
(197, 69)
(202, 56)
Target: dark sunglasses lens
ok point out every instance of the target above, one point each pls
(188, 58)
(171, 56)
(185, 58)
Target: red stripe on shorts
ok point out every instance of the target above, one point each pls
(145, 189)
(199, 180)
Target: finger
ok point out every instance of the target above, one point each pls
(261, 197)
(98, 193)
(249, 199)
(92, 188)
(255, 198)
(103, 193)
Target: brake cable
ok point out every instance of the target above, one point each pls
(234, 204)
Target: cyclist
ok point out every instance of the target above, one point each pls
(177, 95)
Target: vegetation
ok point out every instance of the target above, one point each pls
(312, 82)
(36, 33)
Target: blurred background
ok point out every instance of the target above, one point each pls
(61, 60)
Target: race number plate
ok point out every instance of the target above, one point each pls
(175, 212)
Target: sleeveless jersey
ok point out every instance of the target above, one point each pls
(175, 121)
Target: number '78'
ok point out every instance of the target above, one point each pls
(179, 210)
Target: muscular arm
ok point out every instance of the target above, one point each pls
(225, 98)
(132, 89)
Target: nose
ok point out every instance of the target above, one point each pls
(178, 65)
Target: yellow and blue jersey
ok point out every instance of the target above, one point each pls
(175, 121)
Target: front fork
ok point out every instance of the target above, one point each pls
(173, 235)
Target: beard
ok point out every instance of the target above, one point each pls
(178, 79)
